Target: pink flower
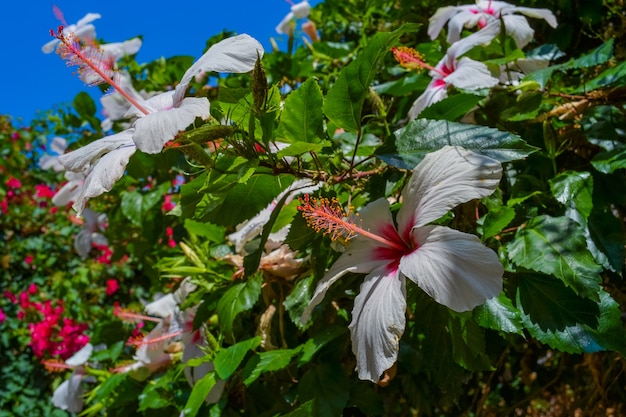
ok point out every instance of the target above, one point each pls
(168, 204)
(3, 316)
(169, 232)
(29, 260)
(13, 183)
(112, 287)
(32, 288)
(43, 191)
(12, 298)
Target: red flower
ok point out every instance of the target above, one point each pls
(14, 183)
(43, 191)
(112, 287)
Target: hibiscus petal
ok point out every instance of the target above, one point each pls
(81, 356)
(444, 179)
(69, 395)
(82, 158)
(154, 130)
(104, 174)
(117, 50)
(482, 37)
(283, 27)
(518, 28)
(237, 54)
(359, 257)
(471, 75)
(544, 14)
(378, 320)
(453, 267)
(465, 18)
(439, 19)
(436, 91)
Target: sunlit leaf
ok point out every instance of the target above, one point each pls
(344, 101)
(420, 137)
(240, 297)
(557, 246)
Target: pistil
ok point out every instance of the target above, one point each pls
(410, 58)
(326, 216)
(76, 52)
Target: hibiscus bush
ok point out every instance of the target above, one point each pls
(411, 209)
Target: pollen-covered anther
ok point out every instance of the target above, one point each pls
(55, 365)
(409, 58)
(328, 217)
(87, 55)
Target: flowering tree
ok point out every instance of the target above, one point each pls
(327, 230)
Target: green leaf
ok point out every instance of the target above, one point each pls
(613, 77)
(240, 297)
(496, 220)
(302, 119)
(344, 101)
(299, 148)
(84, 105)
(420, 137)
(328, 386)
(318, 341)
(136, 204)
(151, 398)
(451, 108)
(608, 162)
(200, 391)
(298, 299)
(305, 410)
(272, 360)
(210, 231)
(598, 56)
(557, 246)
(300, 234)
(190, 195)
(251, 262)
(227, 360)
(498, 313)
(468, 344)
(556, 316)
(243, 201)
(574, 190)
(606, 233)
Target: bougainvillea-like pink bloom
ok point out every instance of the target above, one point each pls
(112, 287)
(485, 12)
(43, 191)
(14, 183)
(452, 267)
(451, 70)
(3, 316)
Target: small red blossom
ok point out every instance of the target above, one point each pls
(168, 204)
(111, 287)
(43, 191)
(29, 260)
(32, 289)
(12, 298)
(169, 232)
(13, 183)
(3, 316)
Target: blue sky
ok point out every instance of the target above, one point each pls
(35, 81)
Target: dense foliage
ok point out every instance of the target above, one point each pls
(190, 277)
